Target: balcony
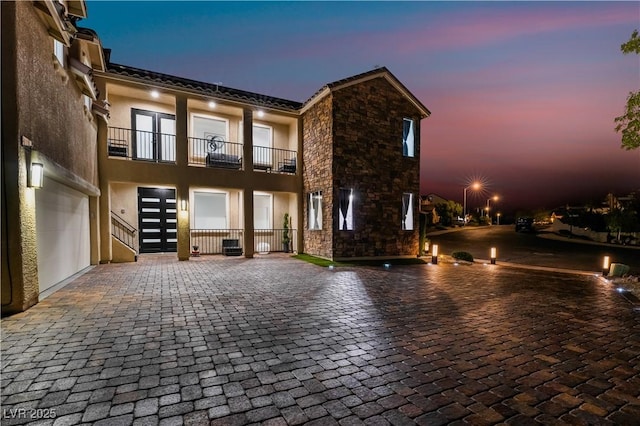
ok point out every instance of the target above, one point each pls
(218, 153)
(141, 145)
(215, 152)
(275, 160)
(211, 152)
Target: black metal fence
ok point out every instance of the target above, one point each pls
(141, 145)
(210, 241)
(274, 240)
(215, 153)
(274, 160)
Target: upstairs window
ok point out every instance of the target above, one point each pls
(58, 51)
(345, 210)
(315, 210)
(262, 142)
(408, 137)
(407, 212)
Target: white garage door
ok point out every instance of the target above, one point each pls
(62, 228)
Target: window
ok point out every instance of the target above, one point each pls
(210, 210)
(408, 137)
(262, 207)
(407, 212)
(205, 130)
(58, 51)
(262, 145)
(154, 135)
(315, 210)
(345, 210)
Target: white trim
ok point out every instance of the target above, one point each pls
(270, 218)
(208, 117)
(192, 203)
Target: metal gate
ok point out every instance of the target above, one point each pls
(157, 220)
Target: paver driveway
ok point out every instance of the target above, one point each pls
(278, 341)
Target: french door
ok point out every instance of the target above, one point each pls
(157, 220)
(154, 135)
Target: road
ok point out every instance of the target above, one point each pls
(533, 249)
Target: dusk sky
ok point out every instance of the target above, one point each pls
(522, 94)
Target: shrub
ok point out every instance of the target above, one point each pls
(462, 255)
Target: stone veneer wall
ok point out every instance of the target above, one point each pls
(317, 152)
(367, 127)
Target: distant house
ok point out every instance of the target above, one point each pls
(137, 161)
(428, 206)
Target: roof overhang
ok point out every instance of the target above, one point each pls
(77, 8)
(58, 26)
(383, 73)
(116, 78)
(93, 45)
(84, 78)
(101, 109)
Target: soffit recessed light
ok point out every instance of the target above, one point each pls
(260, 113)
(155, 94)
(212, 104)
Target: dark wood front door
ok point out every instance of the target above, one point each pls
(157, 220)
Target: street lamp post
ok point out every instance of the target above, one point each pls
(498, 215)
(494, 198)
(474, 185)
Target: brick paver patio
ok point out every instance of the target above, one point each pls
(276, 341)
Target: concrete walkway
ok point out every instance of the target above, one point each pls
(275, 341)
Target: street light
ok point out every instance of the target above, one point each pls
(475, 186)
(494, 198)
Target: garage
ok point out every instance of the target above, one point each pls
(63, 238)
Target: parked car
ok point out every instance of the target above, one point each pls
(524, 224)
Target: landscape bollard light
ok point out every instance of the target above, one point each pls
(434, 254)
(331, 267)
(386, 265)
(493, 255)
(605, 266)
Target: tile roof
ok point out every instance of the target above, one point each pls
(207, 89)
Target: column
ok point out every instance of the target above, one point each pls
(247, 202)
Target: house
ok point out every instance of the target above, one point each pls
(137, 161)
(50, 116)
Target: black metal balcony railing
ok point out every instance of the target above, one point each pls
(161, 147)
(204, 152)
(274, 160)
(141, 145)
(209, 241)
(123, 231)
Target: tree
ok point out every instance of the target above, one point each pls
(448, 211)
(629, 123)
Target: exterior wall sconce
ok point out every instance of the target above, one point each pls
(37, 175)
(434, 254)
(183, 205)
(493, 255)
(606, 265)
